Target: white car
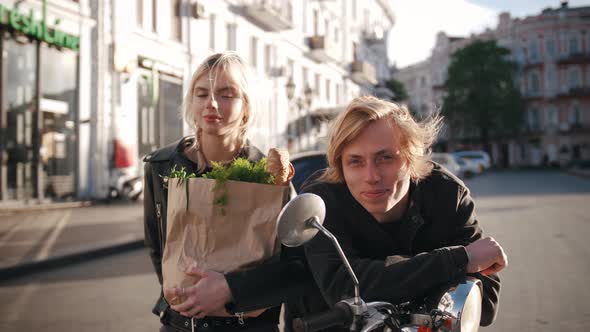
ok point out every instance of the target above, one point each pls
(469, 168)
(448, 161)
(481, 158)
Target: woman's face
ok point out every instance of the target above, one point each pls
(218, 104)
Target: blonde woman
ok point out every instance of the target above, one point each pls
(218, 106)
(406, 224)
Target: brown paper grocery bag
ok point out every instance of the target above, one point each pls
(223, 238)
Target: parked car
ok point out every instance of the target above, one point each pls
(448, 161)
(305, 164)
(481, 158)
(469, 168)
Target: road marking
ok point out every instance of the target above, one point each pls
(44, 252)
(19, 306)
(18, 224)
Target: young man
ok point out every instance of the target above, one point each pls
(407, 225)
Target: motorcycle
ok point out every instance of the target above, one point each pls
(453, 309)
(125, 180)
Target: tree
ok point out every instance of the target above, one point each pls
(481, 92)
(398, 89)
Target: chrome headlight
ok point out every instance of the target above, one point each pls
(463, 303)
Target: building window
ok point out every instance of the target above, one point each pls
(267, 59)
(316, 22)
(328, 86)
(231, 37)
(254, 53)
(316, 87)
(212, 31)
(139, 12)
(533, 119)
(533, 53)
(291, 68)
(574, 44)
(534, 85)
(574, 116)
(552, 117)
(550, 80)
(550, 48)
(154, 15)
(354, 10)
(289, 12)
(175, 28)
(574, 78)
(304, 74)
(304, 19)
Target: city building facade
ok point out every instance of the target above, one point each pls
(125, 79)
(45, 120)
(552, 51)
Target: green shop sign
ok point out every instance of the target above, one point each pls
(28, 25)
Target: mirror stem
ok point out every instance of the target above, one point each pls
(314, 222)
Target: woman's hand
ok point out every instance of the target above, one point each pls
(208, 295)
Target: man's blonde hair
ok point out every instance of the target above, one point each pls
(236, 68)
(416, 137)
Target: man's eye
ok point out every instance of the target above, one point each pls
(354, 162)
(201, 95)
(227, 96)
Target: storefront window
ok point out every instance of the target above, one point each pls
(19, 66)
(159, 118)
(58, 122)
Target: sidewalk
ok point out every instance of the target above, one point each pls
(582, 172)
(36, 239)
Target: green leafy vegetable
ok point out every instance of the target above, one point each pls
(240, 169)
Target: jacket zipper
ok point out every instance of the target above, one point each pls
(159, 215)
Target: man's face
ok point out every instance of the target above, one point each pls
(374, 169)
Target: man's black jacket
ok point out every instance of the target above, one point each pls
(264, 286)
(427, 242)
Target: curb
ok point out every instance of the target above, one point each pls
(12, 209)
(17, 271)
(579, 172)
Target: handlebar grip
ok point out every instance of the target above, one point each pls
(340, 315)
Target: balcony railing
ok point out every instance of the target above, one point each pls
(373, 35)
(321, 49)
(271, 15)
(363, 73)
(574, 93)
(574, 58)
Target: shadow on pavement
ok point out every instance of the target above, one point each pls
(535, 182)
(130, 263)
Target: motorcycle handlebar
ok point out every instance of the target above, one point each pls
(340, 315)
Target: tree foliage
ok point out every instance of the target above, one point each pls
(482, 95)
(398, 89)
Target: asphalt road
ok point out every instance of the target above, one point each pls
(541, 218)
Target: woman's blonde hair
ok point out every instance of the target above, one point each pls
(237, 70)
(416, 137)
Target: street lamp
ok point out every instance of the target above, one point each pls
(303, 104)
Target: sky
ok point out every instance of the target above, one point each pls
(418, 21)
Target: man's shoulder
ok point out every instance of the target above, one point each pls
(440, 176)
(165, 153)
